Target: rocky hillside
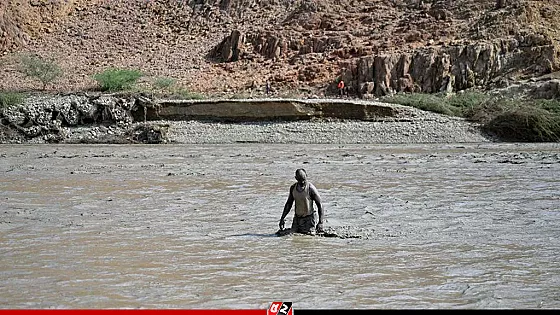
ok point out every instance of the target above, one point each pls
(221, 47)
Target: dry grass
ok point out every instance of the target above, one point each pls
(509, 119)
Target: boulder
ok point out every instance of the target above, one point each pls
(149, 134)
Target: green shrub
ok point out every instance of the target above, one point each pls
(527, 124)
(10, 98)
(489, 109)
(552, 106)
(117, 79)
(513, 119)
(164, 83)
(453, 105)
(427, 102)
(465, 101)
(44, 70)
(510, 119)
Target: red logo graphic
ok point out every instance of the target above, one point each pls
(280, 308)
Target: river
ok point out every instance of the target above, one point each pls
(192, 226)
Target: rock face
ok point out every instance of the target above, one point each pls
(11, 36)
(230, 48)
(427, 69)
(224, 47)
(447, 67)
(452, 68)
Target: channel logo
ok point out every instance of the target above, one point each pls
(280, 308)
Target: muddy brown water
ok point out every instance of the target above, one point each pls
(192, 226)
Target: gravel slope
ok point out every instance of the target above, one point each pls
(411, 125)
(441, 130)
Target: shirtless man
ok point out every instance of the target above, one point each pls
(304, 194)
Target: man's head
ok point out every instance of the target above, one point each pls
(301, 175)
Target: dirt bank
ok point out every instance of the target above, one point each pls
(138, 119)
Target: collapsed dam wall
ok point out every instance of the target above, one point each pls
(47, 116)
(265, 110)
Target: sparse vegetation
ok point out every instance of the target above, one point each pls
(552, 105)
(519, 120)
(510, 119)
(455, 105)
(8, 99)
(44, 70)
(182, 93)
(241, 95)
(164, 83)
(113, 80)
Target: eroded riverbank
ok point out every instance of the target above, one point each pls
(107, 119)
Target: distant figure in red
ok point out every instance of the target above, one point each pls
(340, 87)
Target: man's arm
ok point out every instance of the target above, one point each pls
(317, 198)
(287, 208)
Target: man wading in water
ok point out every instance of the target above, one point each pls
(304, 194)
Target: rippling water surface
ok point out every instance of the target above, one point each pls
(191, 226)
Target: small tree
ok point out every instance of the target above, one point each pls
(117, 79)
(44, 70)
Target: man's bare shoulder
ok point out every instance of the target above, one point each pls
(292, 186)
(313, 189)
